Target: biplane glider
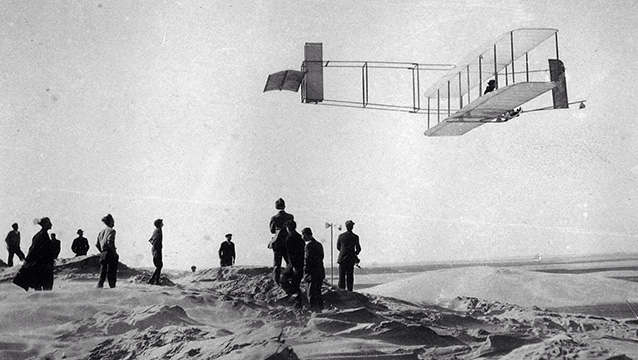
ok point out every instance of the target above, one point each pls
(458, 96)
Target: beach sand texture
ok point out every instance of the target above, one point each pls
(479, 312)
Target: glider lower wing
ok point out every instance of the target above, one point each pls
(488, 107)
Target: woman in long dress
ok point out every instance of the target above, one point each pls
(37, 271)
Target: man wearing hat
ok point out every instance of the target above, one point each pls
(314, 271)
(349, 249)
(227, 252)
(80, 245)
(279, 228)
(156, 241)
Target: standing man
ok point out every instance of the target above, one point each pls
(108, 254)
(227, 252)
(279, 228)
(80, 245)
(348, 247)
(13, 244)
(156, 249)
(313, 269)
(55, 246)
(295, 246)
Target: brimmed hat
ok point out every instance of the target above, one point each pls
(107, 218)
(228, 235)
(349, 222)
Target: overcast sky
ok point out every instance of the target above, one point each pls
(154, 109)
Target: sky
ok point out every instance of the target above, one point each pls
(155, 109)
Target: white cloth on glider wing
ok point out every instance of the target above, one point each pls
(284, 80)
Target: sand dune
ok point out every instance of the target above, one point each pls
(509, 285)
(240, 313)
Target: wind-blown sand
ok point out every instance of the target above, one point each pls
(239, 313)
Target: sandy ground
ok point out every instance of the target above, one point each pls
(480, 312)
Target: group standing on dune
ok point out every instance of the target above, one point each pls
(302, 253)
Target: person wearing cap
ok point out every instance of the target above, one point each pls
(314, 272)
(156, 241)
(80, 245)
(349, 249)
(279, 228)
(13, 244)
(108, 253)
(227, 252)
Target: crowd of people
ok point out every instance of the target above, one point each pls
(38, 265)
(302, 253)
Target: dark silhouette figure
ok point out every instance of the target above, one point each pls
(37, 271)
(156, 242)
(294, 270)
(56, 246)
(314, 272)
(108, 254)
(491, 86)
(193, 268)
(349, 249)
(279, 228)
(13, 244)
(80, 245)
(227, 252)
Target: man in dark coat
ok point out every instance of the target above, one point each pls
(56, 246)
(37, 271)
(349, 249)
(294, 270)
(227, 252)
(314, 272)
(13, 244)
(156, 241)
(108, 253)
(80, 245)
(279, 228)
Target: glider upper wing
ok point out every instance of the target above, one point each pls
(490, 59)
